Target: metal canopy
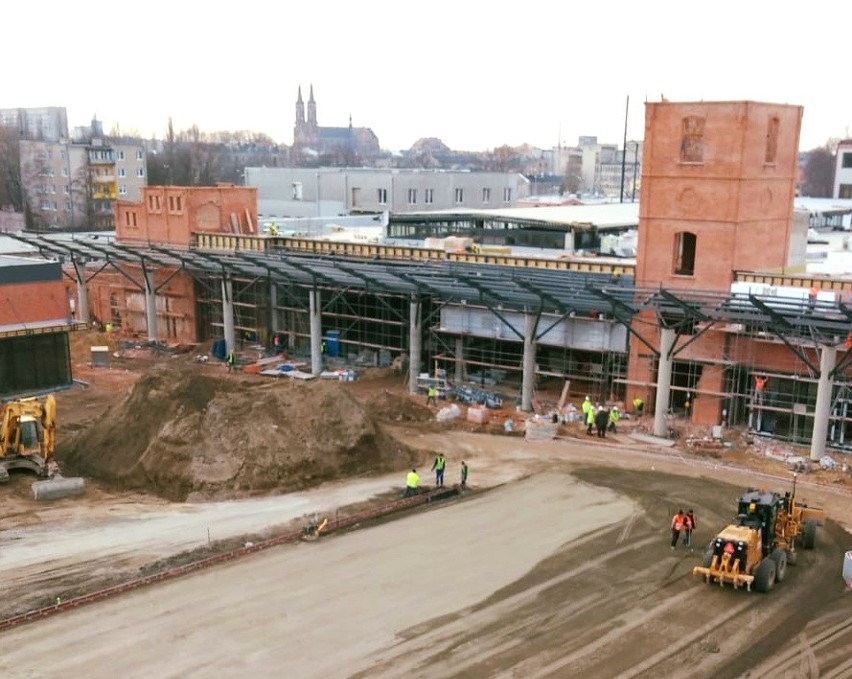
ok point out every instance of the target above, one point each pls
(498, 287)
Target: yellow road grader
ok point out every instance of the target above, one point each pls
(756, 550)
(28, 442)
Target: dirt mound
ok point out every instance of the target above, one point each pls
(394, 407)
(181, 433)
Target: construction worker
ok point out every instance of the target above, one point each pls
(614, 416)
(601, 420)
(688, 527)
(587, 406)
(438, 467)
(231, 361)
(678, 522)
(431, 395)
(464, 471)
(412, 483)
(760, 381)
(590, 418)
(638, 406)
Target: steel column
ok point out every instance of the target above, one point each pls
(528, 378)
(415, 343)
(827, 359)
(664, 379)
(228, 314)
(315, 311)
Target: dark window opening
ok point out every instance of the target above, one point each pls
(684, 255)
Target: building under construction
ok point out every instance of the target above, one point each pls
(715, 318)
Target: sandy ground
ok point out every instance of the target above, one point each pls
(546, 576)
(562, 568)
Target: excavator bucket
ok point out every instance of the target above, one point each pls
(58, 487)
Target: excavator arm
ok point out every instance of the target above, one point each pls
(28, 442)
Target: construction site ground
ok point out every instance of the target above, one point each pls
(554, 563)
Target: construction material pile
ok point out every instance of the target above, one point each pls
(183, 434)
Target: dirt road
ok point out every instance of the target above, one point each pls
(551, 576)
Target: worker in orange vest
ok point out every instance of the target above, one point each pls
(760, 381)
(678, 524)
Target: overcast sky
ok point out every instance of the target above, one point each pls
(475, 74)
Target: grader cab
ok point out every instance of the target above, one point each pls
(756, 549)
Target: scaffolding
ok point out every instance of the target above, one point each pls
(368, 303)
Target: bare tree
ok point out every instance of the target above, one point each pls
(819, 172)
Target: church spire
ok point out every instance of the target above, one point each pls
(300, 109)
(299, 127)
(312, 111)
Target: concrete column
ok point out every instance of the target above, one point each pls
(459, 376)
(664, 382)
(315, 310)
(150, 305)
(827, 359)
(228, 314)
(415, 343)
(528, 379)
(82, 294)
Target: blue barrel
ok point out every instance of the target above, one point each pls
(332, 343)
(219, 349)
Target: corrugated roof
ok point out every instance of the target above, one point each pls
(603, 216)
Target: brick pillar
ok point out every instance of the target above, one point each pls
(707, 408)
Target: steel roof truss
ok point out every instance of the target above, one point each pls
(778, 318)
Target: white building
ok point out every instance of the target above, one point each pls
(843, 170)
(320, 192)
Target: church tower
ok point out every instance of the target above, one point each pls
(312, 113)
(299, 129)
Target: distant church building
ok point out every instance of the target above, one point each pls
(341, 141)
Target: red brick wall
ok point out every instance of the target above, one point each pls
(33, 303)
(168, 215)
(738, 205)
(176, 321)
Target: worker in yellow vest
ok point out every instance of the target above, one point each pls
(412, 483)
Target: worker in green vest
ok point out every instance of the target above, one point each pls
(438, 467)
(412, 483)
(590, 418)
(614, 416)
(638, 405)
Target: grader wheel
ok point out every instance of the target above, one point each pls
(764, 576)
(779, 556)
(809, 541)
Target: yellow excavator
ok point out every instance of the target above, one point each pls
(28, 442)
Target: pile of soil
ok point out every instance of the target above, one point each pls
(181, 433)
(393, 407)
